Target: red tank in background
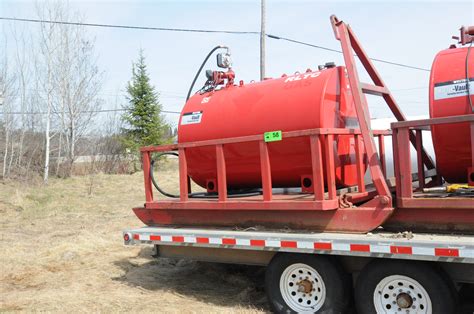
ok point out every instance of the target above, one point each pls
(452, 71)
(302, 101)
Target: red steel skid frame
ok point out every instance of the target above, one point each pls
(317, 211)
(428, 213)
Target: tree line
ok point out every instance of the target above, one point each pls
(50, 85)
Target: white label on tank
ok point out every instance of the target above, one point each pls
(453, 89)
(191, 117)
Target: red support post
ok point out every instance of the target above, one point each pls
(330, 167)
(419, 159)
(183, 176)
(265, 171)
(472, 144)
(359, 163)
(146, 174)
(404, 163)
(317, 165)
(221, 174)
(470, 171)
(396, 164)
(383, 161)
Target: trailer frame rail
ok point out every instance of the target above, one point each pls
(445, 248)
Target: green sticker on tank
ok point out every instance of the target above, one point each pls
(272, 136)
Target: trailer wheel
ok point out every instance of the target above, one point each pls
(304, 283)
(403, 287)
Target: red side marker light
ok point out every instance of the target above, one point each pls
(126, 237)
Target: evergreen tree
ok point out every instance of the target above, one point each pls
(144, 123)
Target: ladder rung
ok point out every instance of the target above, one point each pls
(374, 90)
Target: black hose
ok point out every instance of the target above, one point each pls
(200, 69)
(152, 164)
(231, 194)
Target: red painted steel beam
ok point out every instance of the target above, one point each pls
(419, 159)
(373, 89)
(360, 219)
(221, 174)
(330, 166)
(432, 121)
(265, 171)
(383, 161)
(183, 176)
(354, 45)
(244, 205)
(317, 166)
(404, 165)
(359, 164)
(258, 137)
(441, 203)
(146, 160)
(396, 161)
(344, 36)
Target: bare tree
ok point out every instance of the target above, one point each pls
(23, 71)
(78, 83)
(71, 78)
(46, 68)
(7, 97)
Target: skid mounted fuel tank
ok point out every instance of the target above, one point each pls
(308, 100)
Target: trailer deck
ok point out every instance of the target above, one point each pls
(427, 247)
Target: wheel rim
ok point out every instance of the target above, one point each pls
(401, 294)
(302, 288)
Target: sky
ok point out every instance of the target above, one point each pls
(409, 32)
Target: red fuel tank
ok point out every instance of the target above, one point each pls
(302, 101)
(449, 97)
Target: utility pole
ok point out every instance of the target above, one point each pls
(262, 41)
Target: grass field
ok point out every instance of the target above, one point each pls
(61, 251)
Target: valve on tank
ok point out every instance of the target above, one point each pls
(216, 78)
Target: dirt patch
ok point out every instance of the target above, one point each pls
(61, 251)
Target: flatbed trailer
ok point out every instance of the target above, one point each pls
(347, 247)
(417, 261)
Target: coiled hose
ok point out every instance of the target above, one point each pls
(230, 194)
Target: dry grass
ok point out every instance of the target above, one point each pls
(61, 251)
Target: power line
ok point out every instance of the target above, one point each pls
(161, 94)
(302, 43)
(190, 30)
(339, 51)
(86, 111)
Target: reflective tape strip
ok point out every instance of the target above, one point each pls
(360, 247)
(322, 246)
(394, 249)
(335, 245)
(446, 252)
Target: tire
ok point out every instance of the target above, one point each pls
(326, 286)
(396, 286)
